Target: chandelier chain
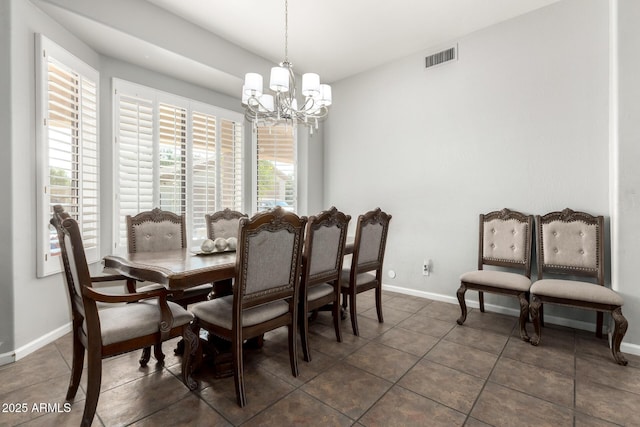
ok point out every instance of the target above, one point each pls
(286, 31)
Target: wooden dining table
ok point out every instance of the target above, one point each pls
(181, 268)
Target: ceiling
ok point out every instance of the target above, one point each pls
(334, 38)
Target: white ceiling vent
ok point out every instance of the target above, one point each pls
(438, 58)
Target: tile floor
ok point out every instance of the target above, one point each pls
(417, 368)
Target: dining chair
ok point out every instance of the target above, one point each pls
(156, 231)
(265, 291)
(223, 224)
(365, 272)
(571, 243)
(322, 259)
(135, 320)
(505, 242)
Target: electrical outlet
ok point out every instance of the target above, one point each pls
(426, 267)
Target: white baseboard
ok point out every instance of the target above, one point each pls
(561, 321)
(34, 345)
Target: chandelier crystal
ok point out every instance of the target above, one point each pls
(282, 106)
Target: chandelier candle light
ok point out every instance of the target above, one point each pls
(282, 106)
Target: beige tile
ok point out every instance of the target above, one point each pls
(408, 341)
(463, 358)
(401, 407)
(442, 310)
(501, 406)
(139, 398)
(51, 392)
(262, 390)
(607, 403)
(546, 384)
(35, 368)
(592, 347)
(553, 358)
(404, 303)
(427, 325)
(607, 372)
(347, 389)
(383, 361)
(448, 386)
(582, 420)
(299, 409)
(391, 315)
(478, 338)
(188, 412)
(495, 322)
(368, 328)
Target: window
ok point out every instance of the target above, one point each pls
(175, 154)
(67, 139)
(276, 167)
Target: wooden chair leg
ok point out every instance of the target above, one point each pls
(481, 300)
(94, 378)
(238, 371)
(304, 333)
(293, 348)
(621, 326)
(352, 313)
(191, 343)
(337, 317)
(145, 357)
(535, 309)
(379, 303)
(157, 352)
(76, 366)
(524, 314)
(599, 321)
(463, 305)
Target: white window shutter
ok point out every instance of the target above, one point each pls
(276, 167)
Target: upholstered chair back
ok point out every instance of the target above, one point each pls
(156, 231)
(506, 239)
(324, 247)
(571, 242)
(268, 256)
(223, 224)
(370, 240)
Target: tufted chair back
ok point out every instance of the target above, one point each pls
(156, 231)
(223, 224)
(505, 240)
(571, 242)
(268, 257)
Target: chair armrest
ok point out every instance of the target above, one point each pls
(166, 317)
(96, 295)
(108, 278)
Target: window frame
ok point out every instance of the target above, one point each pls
(45, 48)
(157, 97)
(254, 167)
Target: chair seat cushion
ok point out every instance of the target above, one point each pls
(318, 291)
(577, 291)
(128, 321)
(220, 312)
(361, 278)
(498, 279)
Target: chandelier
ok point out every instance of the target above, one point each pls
(282, 106)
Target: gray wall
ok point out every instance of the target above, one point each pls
(519, 121)
(6, 256)
(625, 157)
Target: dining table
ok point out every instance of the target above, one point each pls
(179, 269)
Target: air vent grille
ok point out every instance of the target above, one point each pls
(441, 57)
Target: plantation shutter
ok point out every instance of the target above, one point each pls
(68, 146)
(231, 159)
(203, 171)
(276, 167)
(173, 158)
(135, 159)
